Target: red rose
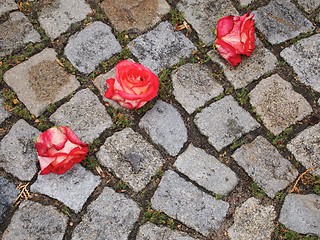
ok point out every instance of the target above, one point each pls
(59, 149)
(235, 36)
(133, 86)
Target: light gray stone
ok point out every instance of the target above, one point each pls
(193, 85)
(278, 105)
(131, 158)
(8, 194)
(57, 17)
(253, 221)
(206, 170)
(72, 188)
(16, 33)
(4, 114)
(18, 155)
(35, 221)
(92, 45)
(161, 47)
(183, 201)
(165, 126)
(306, 148)
(85, 114)
(245, 3)
(204, 14)
(40, 81)
(251, 68)
(304, 57)
(301, 213)
(7, 6)
(150, 231)
(280, 21)
(224, 121)
(265, 165)
(111, 216)
(309, 5)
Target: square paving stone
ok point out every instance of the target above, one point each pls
(8, 194)
(85, 114)
(35, 221)
(304, 57)
(261, 61)
(111, 216)
(306, 148)
(40, 81)
(265, 165)
(193, 85)
(280, 21)
(131, 158)
(16, 33)
(204, 14)
(224, 121)
(206, 170)
(18, 155)
(7, 6)
(4, 114)
(309, 5)
(71, 188)
(278, 104)
(183, 201)
(135, 15)
(91, 46)
(55, 18)
(161, 47)
(165, 126)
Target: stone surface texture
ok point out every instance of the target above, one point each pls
(165, 126)
(183, 201)
(4, 114)
(7, 5)
(194, 85)
(84, 114)
(8, 193)
(224, 121)
(278, 105)
(264, 164)
(309, 5)
(245, 3)
(92, 45)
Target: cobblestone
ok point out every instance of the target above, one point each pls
(309, 5)
(8, 194)
(7, 5)
(4, 114)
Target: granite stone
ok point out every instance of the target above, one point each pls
(309, 5)
(40, 81)
(131, 158)
(301, 213)
(35, 221)
(245, 3)
(224, 121)
(253, 221)
(265, 165)
(72, 188)
(111, 216)
(85, 114)
(183, 201)
(278, 105)
(194, 85)
(206, 170)
(7, 6)
(304, 56)
(8, 194)
(165, 126)
(58, 16)
(18, 155)
(16, 33)
(306, 148)
(161, 47)
(4, 114)
(92, 45)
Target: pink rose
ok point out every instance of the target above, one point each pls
(134, 85)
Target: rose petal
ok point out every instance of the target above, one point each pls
(224, 26)
(228, 52)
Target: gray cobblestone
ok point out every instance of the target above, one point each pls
(7, 5)
(4, 114)
(8, 194)
(309, 5)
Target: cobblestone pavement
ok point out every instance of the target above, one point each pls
(221, 153)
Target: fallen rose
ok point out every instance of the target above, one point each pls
(59, 149)
(133, 86)
(235, 36)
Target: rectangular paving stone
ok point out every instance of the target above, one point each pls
(280, 21)
(4, 114)
(265, 165)
(7, 6)
(204, 14)
(40, 81)
(183, 201)
(309, 5)
(161, 47)
(91, 46)
(8, 194)
(224, 121)
(304, 56)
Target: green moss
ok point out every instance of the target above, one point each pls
(120, 118)
(176, 17)
(90, 162)
(280, 140)
(166, 88)
(157, 217)
(257, 191)
(243, 96)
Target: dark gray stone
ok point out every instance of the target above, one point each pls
(7, 6)
(309, 5)
(4, 114)
(8, 194)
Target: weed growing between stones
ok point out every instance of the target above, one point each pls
(157, 217)
(280, 140)
(282, 233)
(120, 118)
(257, 191)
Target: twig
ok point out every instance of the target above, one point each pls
(24, 193)
(295, 188)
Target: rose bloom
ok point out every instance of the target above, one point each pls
(134, 85)
(235, 36)
(59, 149)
